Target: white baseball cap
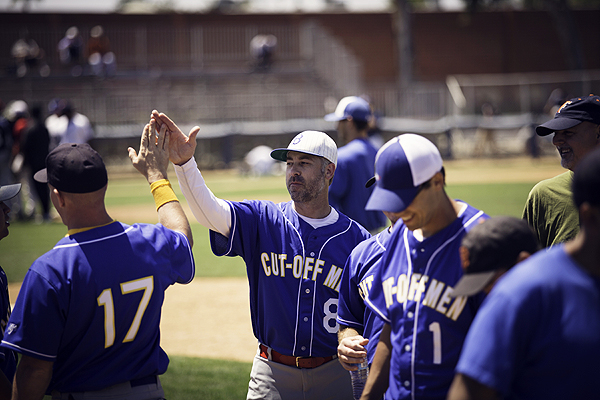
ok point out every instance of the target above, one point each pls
(310, 142)
(351, 106)
(402, 165)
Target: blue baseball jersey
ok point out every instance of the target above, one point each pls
(8, 358)
(294, 272)
(357, 279)
(347, 193)
(411, 292)
(92, 304)
(536, 334)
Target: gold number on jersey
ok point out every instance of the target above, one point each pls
(106, 300)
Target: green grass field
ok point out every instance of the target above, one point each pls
(129, 200)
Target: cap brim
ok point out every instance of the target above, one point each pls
(471, 284)
(391, 201)
(41, 176)
(9, 191)
(556, 124)
(334, 117)
(279, 154)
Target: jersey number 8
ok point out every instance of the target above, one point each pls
(106, 300)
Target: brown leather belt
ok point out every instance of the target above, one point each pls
(298, 362)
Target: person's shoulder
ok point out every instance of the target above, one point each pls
(543, 185)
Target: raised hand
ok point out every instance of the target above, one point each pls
(181, 147)
(153, 158)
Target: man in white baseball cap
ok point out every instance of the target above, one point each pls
(294, 253)
(424, 327)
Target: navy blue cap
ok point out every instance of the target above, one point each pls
(74, 168)
(571, 113)
(9, 191)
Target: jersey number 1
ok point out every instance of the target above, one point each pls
(106, 300)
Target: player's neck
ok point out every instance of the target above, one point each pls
(312, 209)
(445, 214)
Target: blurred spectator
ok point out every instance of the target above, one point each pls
(17, 114)
(262, 48)
(485, 133)
(6, 143)
(79, 129)
(259, 162)
(35, 149)
(27, 56)
(101, 60)
(56, 123)
(70, 50)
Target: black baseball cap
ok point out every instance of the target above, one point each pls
(74, 168)
(571, 113)
(492, 245)
(7, 192)
(586, 180)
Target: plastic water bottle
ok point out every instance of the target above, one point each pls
(359, 378)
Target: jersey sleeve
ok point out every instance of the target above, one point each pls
(181, 257)
(351, 307)
(496, 342)
(45, 314)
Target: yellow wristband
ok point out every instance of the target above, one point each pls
(163, 193)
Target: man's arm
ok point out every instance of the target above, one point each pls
(351, 350)
(379, 374)
(465, 388)
(152, 162)
(32, 379)
(210, 211)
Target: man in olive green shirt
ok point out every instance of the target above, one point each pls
(549, 208)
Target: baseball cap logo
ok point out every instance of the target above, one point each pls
(297, 139)
(566, 103)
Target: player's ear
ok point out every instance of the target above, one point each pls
(59, 197)
(330, 172)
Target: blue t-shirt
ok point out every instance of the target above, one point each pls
(412, 293)
(537, 335)
(92, 304)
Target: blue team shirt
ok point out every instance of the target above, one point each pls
(537, 335)
(357, 279)
(92, 304)
(411, 292)
(347, 193)
(294, 272)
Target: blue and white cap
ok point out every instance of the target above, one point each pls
(351, 106)
(310, 142)
(402, 165)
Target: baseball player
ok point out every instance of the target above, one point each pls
(424, 326)
(536, 335)
(294, 253)
(359, 325)
(355, 163)
(8, 358)
(87, 318)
